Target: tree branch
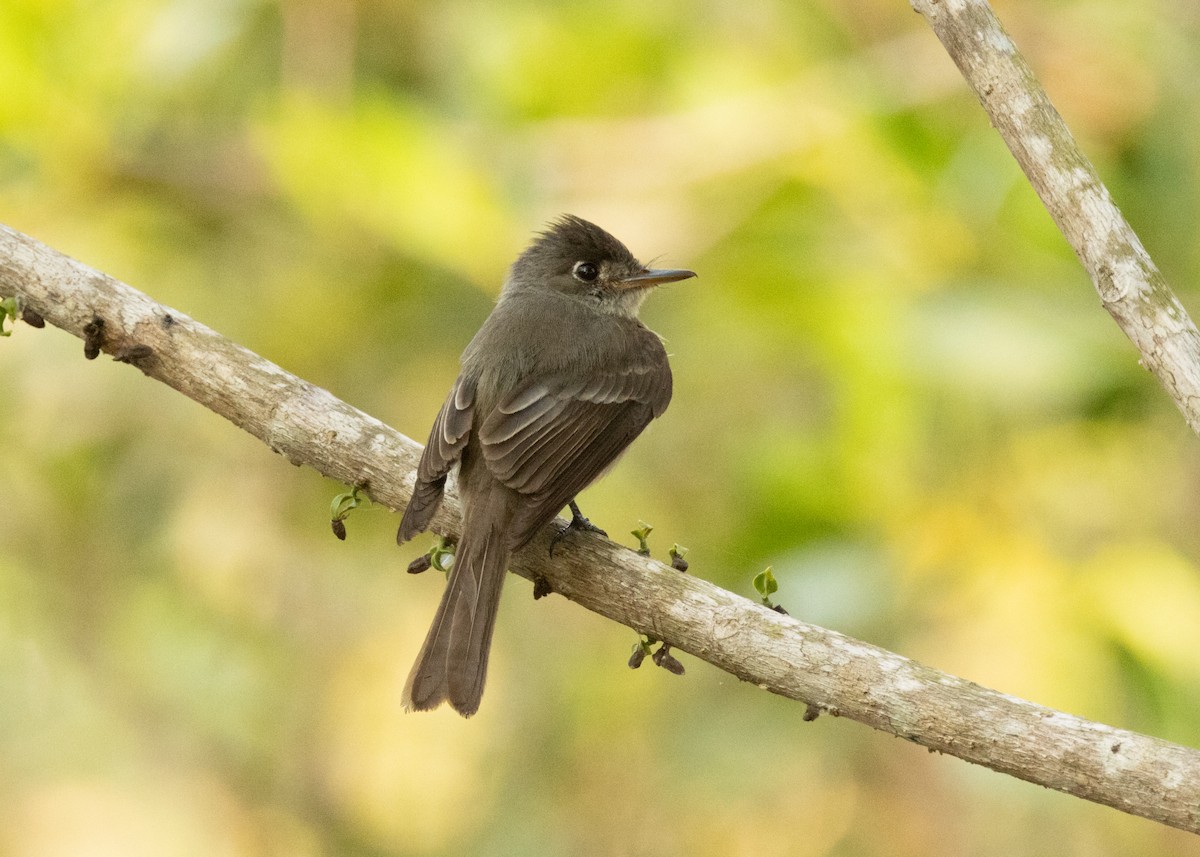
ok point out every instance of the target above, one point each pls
(845, 677)
(1130, 286)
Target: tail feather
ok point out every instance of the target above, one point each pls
(452, 665)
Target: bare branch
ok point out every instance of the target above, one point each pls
(1130, 286)
(823, 669)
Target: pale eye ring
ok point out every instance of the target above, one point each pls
(585, 272)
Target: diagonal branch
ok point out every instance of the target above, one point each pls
(1130, 286)
(842, 676)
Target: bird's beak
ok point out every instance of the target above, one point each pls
(654, 277)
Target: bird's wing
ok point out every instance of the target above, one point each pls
(553, 437)
(447, 438)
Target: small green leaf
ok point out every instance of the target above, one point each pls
(10, 308)
(641, 534)
(343, 504)
(441, 554)
(341, 507)
(765, 584)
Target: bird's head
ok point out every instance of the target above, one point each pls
(580, 259)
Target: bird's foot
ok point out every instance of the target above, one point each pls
(578, 524)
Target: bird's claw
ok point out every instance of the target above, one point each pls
(577, 523)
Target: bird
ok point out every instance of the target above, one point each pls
(558, 381)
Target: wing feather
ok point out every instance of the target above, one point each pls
(581, 471)
(447, 439)
(550, 439)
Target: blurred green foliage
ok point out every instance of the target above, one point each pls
(894, 385)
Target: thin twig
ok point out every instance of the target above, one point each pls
(824, 670)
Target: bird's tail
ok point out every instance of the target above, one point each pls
(452, 665)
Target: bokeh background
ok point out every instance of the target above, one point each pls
(894, 384)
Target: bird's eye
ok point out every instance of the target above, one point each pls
(586, 272)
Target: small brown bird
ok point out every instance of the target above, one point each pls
(556, 384)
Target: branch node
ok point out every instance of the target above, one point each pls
(93, 338)
(133, 354)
